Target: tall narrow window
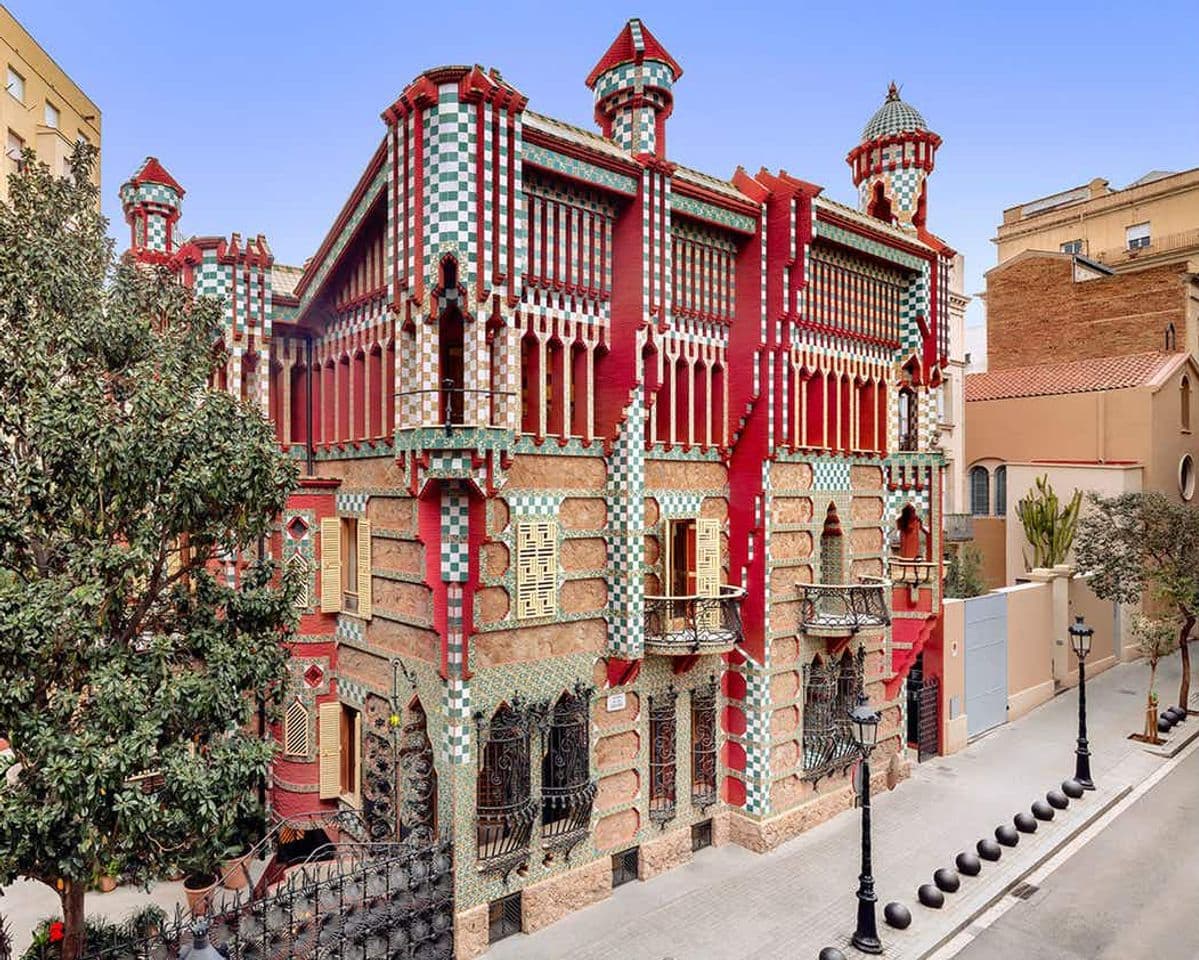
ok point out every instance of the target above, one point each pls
(703, 745)
(830, 691)
(1184, 402)
(359, 392)
(1001, 491)
(1171, 338)
(418, 811)
(980, 491)
(12, 153)
(504, 811)
(453, 371)
(50, 116)
(349, 563)
(15, 85)
(663, 768)
(567, 790)
(296, 738)
(908, 420)
(832, 548)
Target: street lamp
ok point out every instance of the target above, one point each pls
(1080, 640)
(864, 723)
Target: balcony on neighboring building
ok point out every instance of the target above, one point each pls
(911, 572)
(832, 610)
(959, 527)
(679, 626)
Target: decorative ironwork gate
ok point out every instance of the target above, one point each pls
(929, 720)
(830, 692)
(663, 769)
(567, 790)
(703, 745)
(389, 901)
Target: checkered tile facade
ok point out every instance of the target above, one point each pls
(455, 534)
(626, 525)
(351, 504)
(830, 474)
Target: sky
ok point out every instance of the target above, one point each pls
(267, 112)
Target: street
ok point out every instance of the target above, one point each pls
(1130, 893)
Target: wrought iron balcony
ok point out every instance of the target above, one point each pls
(566, 815)
(681, 626)
(959, 527)
(911, 572)
(839, 609)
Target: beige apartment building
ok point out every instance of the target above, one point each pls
(1151, 221)
(41, 107)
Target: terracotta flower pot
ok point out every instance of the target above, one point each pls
(199, 890)
(234, 875)
(107, 884)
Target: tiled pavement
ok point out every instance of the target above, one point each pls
(730, 904)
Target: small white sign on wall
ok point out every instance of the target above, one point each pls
(616, 701)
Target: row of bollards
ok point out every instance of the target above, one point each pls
(1169, 717)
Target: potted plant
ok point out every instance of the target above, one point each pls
(109, 877)
(147, 922)
(248, 828)
(200, 881)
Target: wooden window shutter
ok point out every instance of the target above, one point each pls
(329, 734)
(364, 569)
(707, 569)
(536, 569)
(295, 730)
(330, 565)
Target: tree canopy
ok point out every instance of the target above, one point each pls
(140, 620)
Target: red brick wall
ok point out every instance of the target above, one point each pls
(1037, 313)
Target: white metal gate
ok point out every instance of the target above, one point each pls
(986, 663)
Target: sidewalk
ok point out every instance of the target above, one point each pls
(730, 904)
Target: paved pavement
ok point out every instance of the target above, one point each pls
(730, 904)
(1132, 891)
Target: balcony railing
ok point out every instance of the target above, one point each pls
(451, 405)
(679, 626)
(959, 527)
(911, 572)
(837, 609)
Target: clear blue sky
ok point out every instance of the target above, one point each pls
(267, 111)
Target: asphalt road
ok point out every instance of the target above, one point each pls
(1132, 893)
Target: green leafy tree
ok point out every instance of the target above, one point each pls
(964, 574)
(1139, 544)
(122, 476)
(1048, 526)
(1155, 639)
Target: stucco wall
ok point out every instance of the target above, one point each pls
(1031, 636)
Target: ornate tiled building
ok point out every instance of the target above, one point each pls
(620, 480)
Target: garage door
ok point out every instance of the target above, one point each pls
(986, 663)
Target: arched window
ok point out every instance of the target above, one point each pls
(1171, 338)
(567, 791)
(832, 548)
(1001, 491)
(1184, 400)
(418, 807)
(908, 430)
(504, 811)
(980, 491)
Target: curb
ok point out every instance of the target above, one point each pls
(1007, 888)
(1175, 750)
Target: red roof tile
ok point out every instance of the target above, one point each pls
(632, 45)
(154, 172)
(1074, 376)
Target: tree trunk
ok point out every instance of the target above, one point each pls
(1151, 707)
(72, 919)
(1184, 685)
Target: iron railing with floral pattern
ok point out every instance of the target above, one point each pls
(678, 626)
(830, 692)
(843, 608)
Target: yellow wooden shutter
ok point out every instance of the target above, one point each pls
(329, 734)
(707, 568)
(667, 559)
(536, 568)
(364, 569)
(330, 565)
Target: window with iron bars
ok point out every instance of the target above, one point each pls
(663, 766)
(830, 692)
(505, 811)
(703, 745)
(567, 790)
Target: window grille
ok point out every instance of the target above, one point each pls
(567, 791)
(830, 692)
(536, 568)
(504, 917)
(980, 491)
(297, 739)
(703, 745)
(701, 835)
(909, 421)
(663, 766)
(504, 812)
(626, 866)
(379, 799)
(418, 815)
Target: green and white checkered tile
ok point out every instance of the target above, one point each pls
(534, 504)
(350, 692)
(353, 504)
(350, 630)
(455, 534)
(830, 474)
(677, 503)
(456, 703)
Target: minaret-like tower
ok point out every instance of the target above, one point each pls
(891, 164)
(152, 200)
(633, 85)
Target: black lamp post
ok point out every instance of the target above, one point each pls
(1080, 640)
(864, 722)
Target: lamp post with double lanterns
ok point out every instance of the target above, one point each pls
(864, 723)
(1080, 640)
